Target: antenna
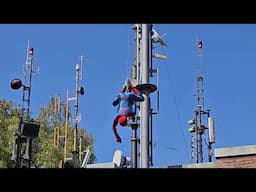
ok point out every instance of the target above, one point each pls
(119, 160)
(198, 125)
(157, 38)
(141, 72)
(56, 99)
(28, 128)
(81, 67)
(79, 90)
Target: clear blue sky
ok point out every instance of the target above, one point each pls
(228, 67)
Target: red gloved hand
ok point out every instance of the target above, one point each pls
(118, 139)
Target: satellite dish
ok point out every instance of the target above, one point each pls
(117, 158)
(121, 161)
(157, 38)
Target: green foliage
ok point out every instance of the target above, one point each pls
(9, 118)
(50, 154)
(46, 152)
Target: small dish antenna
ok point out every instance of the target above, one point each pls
(118, 158)
(157, 38)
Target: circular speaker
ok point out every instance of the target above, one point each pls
(16, 83)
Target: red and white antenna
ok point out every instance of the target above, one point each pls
(198, 123)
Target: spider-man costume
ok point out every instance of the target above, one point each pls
(126, 106)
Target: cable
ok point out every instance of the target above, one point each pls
(176, 105)
(128, 54)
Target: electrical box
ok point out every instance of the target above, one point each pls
(30, 129)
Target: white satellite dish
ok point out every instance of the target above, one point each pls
(157, 38)
(117, 158)
(120, 160)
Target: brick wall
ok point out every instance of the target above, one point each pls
(229, 157)
(236, 157)
(236, 162)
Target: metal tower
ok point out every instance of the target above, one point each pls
(199, 123)
(28, 128)
(141, 71)
(79, 90)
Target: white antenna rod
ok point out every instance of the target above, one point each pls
(81, 67)
(27, 63)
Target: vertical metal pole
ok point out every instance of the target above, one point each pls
(200, 147)
(210, 152)
(25, 111)
(151, 138)
(54, 137)
(80, 149)
(30, 59)
(210, 144)
(66, 130)
(18, 143)
(76, 108)
(29, 139)
(58, 137)
(199, 132)
(146, 31)
(196, 138)
(138, 56)
(150, 110)
(30, 63)
(134, 146)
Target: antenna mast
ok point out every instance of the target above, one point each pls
(78, 91)
(141, 72)
(28, 71)
(28, 128)
(76, 157)
(198, 125)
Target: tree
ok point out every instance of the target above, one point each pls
(45, 153)
(9, 119)
(49, 152)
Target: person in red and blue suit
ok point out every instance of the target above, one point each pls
(125, 102)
